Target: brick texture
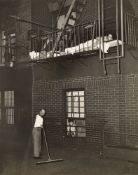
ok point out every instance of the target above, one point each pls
(135, 6)
(90, 11)
(24, 12)
(110, 100)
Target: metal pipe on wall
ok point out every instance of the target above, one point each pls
(99, 23)
(122, 28)
(102, 42)
(117, 35)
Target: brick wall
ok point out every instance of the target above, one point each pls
(113, 99)
(19, 81)
(41, 14)
(7, 9)
(135, 6)
(35, 11)
(24, 12)
(90, 11)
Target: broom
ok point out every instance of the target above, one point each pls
(48, 153)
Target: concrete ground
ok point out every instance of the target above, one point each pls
(16, 159)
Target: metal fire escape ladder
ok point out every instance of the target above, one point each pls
(64, 25)
(70, 18)
(115, 59)
(62, 4)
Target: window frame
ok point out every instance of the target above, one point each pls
(4, 118)
(8, 51)
(9, 107)
(75, 118)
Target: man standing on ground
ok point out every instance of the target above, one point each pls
(38, 125)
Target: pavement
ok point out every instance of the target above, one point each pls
(16, 159)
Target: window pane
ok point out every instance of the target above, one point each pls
(82, 110)
(76, 110)
(10, 115)
(81, 93)
(75, 114)
(81, 104)
(80, 122)
(69, 104)
(68, 98)
(82, 116)
(69, 109)
(68, 93)
(75, 93)
(9, 106)
(81, 129)
(75, 99)
(69, 114)
(81, 98)
(71, 127)
(76, 104)
(81, 134)
(9, 98)
(72, 114)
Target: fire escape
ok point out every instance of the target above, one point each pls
(73, 13)
(7, 35)
(106, 24)
(71, 38)
(105, 35)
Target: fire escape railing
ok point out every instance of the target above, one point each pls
(131, 30)
(75, 39)
(118, 24)
(89, 37)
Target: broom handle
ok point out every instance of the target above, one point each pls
(46, 144)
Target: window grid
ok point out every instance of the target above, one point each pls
(75, 111)
(75, 104)
(10, 115)
(9, 106)
(8, 52)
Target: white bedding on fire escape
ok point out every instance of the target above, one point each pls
(87, 46)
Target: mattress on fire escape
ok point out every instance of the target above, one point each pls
(93, 45)
(90, 45)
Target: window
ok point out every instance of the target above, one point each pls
(11, 43)
(75, 113)
(9, 106)
(2, 49)
(7, 49)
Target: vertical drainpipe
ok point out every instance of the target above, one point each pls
(99, 23)
(117, 35)
(122, 28)
(103, 55)
(33, 80)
